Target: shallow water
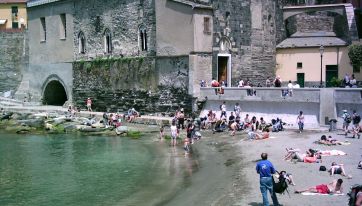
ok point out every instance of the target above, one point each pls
(96, 170)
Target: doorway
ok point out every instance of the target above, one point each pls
(331, 73)
(54, 94)
(224, 68)
(300, 79)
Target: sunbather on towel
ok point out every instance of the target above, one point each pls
(328, 141)
(311, 156)
(334, 187)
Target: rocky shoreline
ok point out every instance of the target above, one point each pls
(56, 123)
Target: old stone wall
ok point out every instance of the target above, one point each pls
(250, 27)
(148, 84)
(318, 21)
(13, 59)
(122, 18)
(315, 22)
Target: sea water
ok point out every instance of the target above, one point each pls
(90, 170)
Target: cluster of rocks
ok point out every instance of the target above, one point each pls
(23, 123)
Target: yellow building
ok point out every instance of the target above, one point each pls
(13, 14)
(299, 59)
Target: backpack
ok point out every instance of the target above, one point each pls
(322, 168)
(353, 194)
(347, 118)
(281, 186)
(356, 119)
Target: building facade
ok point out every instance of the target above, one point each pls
(13, 14)
(308, 28)
(159, 47)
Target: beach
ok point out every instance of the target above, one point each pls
(240, 184)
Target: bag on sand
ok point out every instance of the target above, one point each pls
(322, 168)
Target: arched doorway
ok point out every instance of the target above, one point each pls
(54, 94)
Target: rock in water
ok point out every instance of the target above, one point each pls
(121, 129)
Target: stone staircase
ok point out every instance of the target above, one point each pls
(9, 102)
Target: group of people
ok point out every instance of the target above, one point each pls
(355, 119)
(257, 128)
(179, 123)
(349, 81)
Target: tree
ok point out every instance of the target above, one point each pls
(355, 55)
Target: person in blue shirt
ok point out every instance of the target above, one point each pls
(266, 169)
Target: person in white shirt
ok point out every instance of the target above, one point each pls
(290, 88)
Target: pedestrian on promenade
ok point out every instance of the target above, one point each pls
(300, 121)
(265, 169)
(223, 110)
(346, 121)
(237, 110)
(89, 105)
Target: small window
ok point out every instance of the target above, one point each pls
(207, 25)
(356, 69)
(43, 30)
(299, 65)
(142, 38)
(14, 17)
(107, 41)
(81, 43)
(63, 26)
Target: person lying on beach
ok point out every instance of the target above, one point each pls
(337, 169)
(258, 136)
(334, 187)
(329, 141)
(311, 156)
(359, 166)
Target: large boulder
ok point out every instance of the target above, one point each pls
(37, 123)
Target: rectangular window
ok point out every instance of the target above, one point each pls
(63, 26)
(207, 25)
(14, 17)
(356, 69)
(299, 65)
(43, 30)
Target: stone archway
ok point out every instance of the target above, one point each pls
(54, 94)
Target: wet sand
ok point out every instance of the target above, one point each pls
(227, 174)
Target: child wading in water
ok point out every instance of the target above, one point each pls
(174, 134)
(162, 134)
(187, 146)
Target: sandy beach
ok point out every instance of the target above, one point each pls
(230, 178)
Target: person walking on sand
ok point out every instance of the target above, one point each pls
(265, 169)
(89, 105)
(300, 121)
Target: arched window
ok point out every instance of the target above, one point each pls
(142, 38)
(107, 41)
(81, 43)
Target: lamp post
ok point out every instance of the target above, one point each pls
(321, 51)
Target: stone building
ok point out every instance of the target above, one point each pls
(151, 54)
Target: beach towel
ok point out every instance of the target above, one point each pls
(313, 193)
(332, 152)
